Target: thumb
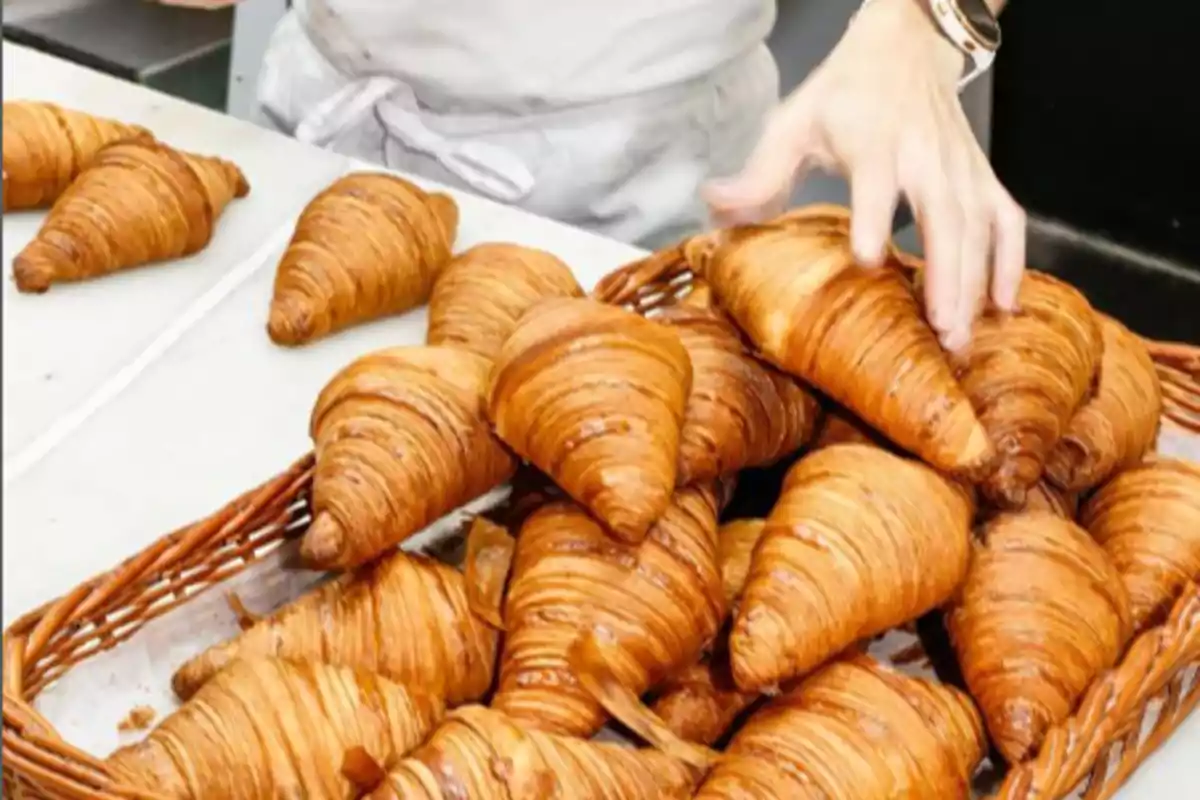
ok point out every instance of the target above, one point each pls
(770, 170)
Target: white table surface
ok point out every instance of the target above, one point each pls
(137, 403)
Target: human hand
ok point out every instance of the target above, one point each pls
(883, 109)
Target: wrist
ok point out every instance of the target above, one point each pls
(912, 22)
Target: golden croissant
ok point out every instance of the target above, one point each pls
(740, 413)
(660, 603)
(1148, 521)
(405, 617)
(856, 334)
(594, 396)
(401, 440)
(1044, 496)
(859, 541)
(1026, 373)
(368, 246)
(839, 426)
(138, 202)
(479, 297)
(47, 146)
(268, 729)
(856, 730)
(1041, 614)
(480, 754)
(1119, 423)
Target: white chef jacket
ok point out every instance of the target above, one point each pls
(607, 114)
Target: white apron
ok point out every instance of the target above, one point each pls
(606, 115)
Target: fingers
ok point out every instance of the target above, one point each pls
(940, 221)
(1008, 228)
(972, 277)
(873, 195)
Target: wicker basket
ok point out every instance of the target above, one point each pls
(1102, 744)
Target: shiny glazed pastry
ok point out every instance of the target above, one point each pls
(740, 413)
(47, 146)
(660, 603)
(1042, 613)
(401, 440)
(856, 334)
(479, 297)
(1026, 374)
(138, 202)
(1119, 423)
(856, 729)
(594, 396)
(1148, 521)
(368, 246)
(839, 426)
(268, 729)
(859, 541)
(480, 754)
(1044, 496)
(405, 617)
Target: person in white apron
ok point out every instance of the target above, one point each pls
(616, 115)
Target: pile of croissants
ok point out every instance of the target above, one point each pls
(1011, 490)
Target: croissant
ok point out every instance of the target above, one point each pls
(1041, 614)
(138, 202)
(401, 441)
(484, 291)
(594, 396)
(841, 427)
(405, 617)
(481, 754)
(740, 413)
(860, 541)
(1026, 374)
(856, 334)
(856, 729)
(46, 147)
(1148, 521)
(661, 602)
(266, 729)
(1043, 496)
(1119, 423)
(368, 246)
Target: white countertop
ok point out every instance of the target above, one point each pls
(137, 403)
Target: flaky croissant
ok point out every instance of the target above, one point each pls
(740, 413)
(659, 603)
(860, 541)
(368, 246)
(1026, 373)
(1119, 423)
(479, 297)
(856, 334)
(856, 729)
(268, 729)
(401, 440)
(405, 617)
(594, 396)
(1041, 614)
(1148, 521)
(47, 146)
(138, 202)
(839, 426)
(480, 754)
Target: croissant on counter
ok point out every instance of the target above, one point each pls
(1026, 373)
(401, 440)
(368, 246)
(859, 541)
(1041, 614)
(1119, 423)
(740, 413)
(47, 146)
(658, 603)
(405, 617)
(138, 202)
(856, 729)
(1148, 521)
(265, 729)
(481, 754)
(595, 396)
(857, 334)
(479, 297)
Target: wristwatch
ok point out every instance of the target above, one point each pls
(971, 27)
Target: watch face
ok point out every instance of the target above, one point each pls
(981, 21)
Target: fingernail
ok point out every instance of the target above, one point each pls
(956, 340)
